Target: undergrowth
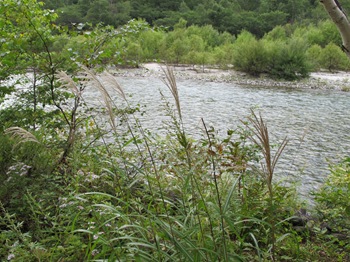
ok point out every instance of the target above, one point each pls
(144, 197)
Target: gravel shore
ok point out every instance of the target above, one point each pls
(339, 81)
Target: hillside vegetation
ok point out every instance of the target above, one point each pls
(257, 17)
(81, 183)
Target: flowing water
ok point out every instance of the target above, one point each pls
(316, 122)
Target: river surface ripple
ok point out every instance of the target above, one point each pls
(316, 122)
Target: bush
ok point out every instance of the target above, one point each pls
(6, 155)
(324, 33)
(313, 55)
(333, 58)
(329, 32)
(151, 43)
(333, 198)
(333, 207)
(287, 60)
(249, 54)
(223, 55)
(277, 58)
(278, 33)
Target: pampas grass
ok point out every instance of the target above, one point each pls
(110, 81)
(170, 82)
(21, 135)
(260, 137)
(68, 82)
(93, 78)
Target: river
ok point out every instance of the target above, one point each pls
(316, 122)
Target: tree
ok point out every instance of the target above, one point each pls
(340, 19)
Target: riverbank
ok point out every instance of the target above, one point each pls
(339, 81)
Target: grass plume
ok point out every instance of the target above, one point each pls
(110, 81)
(21, 135)
(260, 137)
(68, 82)
(170, 82)
(92, 77)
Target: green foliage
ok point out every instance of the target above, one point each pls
(150, 42)
(330, 32)
(287, 59)
(89, 47)
(26, 33)
(191, 45)
(278, 58)
(223, 55)
(333, 196)
(5, 154)
(321, 34)
(332, 204)
(115, 13)
(257, 17)
(249, 54)
(211, 36)
(171, 198)
(333, 58)
(278, 33)
(72, 196)
(313, 55)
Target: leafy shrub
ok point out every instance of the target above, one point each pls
(223, 55)
(333, 208)
(142, 198)
(151, 43)
(278, 33)
(321, 34)
(287, 60)
(313, 55)
(277, 58)
(6, 153)
(333, 58)
(333, 198)
(329, 32)
(249, 54)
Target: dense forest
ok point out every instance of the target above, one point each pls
(83, 182)
(233, 16)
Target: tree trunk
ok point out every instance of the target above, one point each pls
(341, 21)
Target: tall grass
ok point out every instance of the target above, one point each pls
(185, 204)
(151, 198)
(260, 136)
(21, 135)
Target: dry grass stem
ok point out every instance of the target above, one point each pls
(21, 135)
(170, 82)
(261, 138)
(112, 82)
(106, 97)
(68, 82)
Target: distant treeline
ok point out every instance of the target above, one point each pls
(233, 16)
(286, 52)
